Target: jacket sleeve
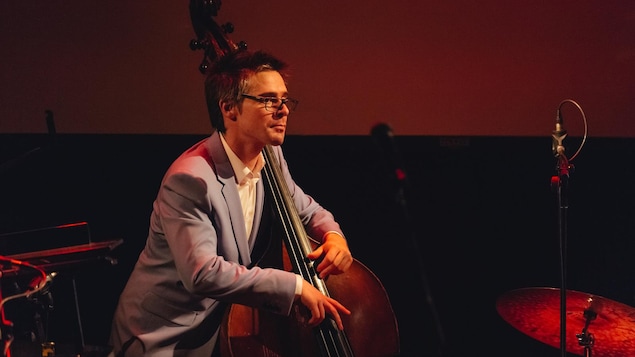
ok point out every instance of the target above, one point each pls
(196, 223)
(316, 219)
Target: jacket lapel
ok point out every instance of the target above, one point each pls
(225, 175)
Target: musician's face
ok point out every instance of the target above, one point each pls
(256, 124)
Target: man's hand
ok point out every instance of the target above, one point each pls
(320, 305)
(335, 255)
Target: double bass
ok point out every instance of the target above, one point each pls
(370, 331)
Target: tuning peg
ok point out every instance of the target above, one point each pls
(242, 45)
(228, 27)
(197, 45)
(204, 66)
(211, 6)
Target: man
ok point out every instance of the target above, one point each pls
(210, 219)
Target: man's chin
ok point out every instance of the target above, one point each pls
(277, 139)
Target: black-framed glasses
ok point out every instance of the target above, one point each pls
(273, 104)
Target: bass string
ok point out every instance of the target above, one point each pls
(332, 341)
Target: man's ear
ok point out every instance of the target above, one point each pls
(228, 110)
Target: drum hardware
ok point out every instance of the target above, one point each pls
(599, 325)
(30, 275)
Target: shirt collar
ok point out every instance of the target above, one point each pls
(241, 171)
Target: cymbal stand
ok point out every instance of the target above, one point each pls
(585, 339)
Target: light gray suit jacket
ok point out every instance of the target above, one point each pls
(197, 258)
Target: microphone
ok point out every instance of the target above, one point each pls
(558, 136)
(384, 138)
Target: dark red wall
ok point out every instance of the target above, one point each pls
(493, 68)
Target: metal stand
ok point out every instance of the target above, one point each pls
(383, 137)
(585, 339)
(6, 331)
(560, 185)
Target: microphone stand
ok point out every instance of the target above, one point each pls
(383, 136)
(560, 184)
(403, 203)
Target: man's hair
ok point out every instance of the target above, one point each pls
(229, 77)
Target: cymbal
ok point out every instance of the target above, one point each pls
(536, 313)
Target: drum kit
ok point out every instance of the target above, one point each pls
(593, 324)
(28, 276)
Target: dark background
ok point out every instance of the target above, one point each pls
(481, 210)
(471, 88)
